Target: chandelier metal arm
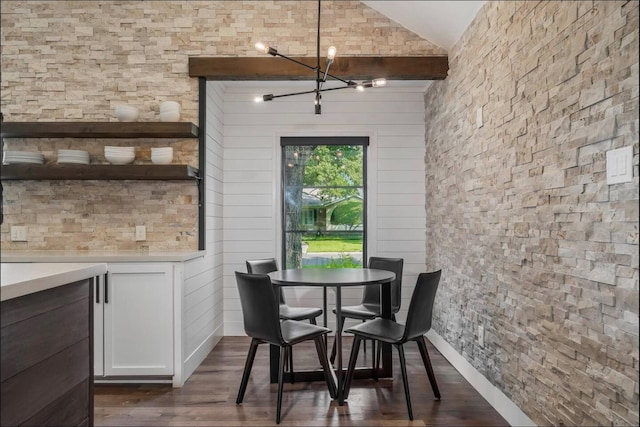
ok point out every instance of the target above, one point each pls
(314, 69)
(352, 85)
(321, 75)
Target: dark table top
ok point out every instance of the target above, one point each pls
(331, 277)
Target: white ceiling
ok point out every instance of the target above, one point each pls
(440, 22)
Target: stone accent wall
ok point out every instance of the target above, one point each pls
(77, 60)
(535, 247)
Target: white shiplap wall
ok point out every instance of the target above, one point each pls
(203, 290)
(393, 119)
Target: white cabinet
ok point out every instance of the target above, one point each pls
(133, 320)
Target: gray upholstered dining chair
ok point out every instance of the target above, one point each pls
(370, 306)
(287, 312)
(262, 323)
(384, 330)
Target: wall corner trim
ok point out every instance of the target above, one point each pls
(496, 398)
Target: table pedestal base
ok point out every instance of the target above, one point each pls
(384, 371)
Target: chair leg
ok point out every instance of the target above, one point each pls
(352, 365)
(333, 349)
(322, 355)
(376, 360)
(290, 354)
(247, 369)
(364, 344)
(405, 380)
(422, 346)
(280, 384)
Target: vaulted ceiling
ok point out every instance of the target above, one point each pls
(440, 22)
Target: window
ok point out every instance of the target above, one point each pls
(324, 201)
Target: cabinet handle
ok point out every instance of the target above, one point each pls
(97, 282)
(106, 288)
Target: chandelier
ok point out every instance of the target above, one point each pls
(321, 75)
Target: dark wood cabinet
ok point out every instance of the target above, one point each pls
(47, 357)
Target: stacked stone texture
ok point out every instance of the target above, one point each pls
(534, 245)
(77, 60)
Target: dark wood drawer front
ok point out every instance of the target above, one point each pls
(47, 358)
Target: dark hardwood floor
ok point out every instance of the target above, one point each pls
(208, 397)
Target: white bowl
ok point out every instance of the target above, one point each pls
(121, 150)
(170, 116)
(119, 160)
(161, 160)
(162, 150)
(169, 106)
(127, 113)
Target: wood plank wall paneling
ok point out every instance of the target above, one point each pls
(46, 357)
(202, 302)
(394, 119)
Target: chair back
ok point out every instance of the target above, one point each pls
(371, 294)
(421, 305)
(259, 307)
(264, 266)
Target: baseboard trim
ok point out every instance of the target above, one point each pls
(199, 354)
(496, 398)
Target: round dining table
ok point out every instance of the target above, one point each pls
(337, 279)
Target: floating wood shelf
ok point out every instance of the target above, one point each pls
(99, 130)
(98, 172)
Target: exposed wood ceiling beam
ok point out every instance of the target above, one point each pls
(354, 68)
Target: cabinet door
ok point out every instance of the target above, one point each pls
(98, 326)
(138, 319)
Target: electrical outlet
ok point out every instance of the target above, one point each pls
(141, 233)
(620, 165)
(481, 336)
(18, 233)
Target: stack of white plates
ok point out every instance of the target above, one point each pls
(162, 155)
(13, 157)
(80, 157)
(119, 155)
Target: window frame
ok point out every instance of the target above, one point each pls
(286, 141)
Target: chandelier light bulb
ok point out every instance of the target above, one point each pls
(261, 47)
(258, 99)
(379, 82)
(321, 74)
(331, 53)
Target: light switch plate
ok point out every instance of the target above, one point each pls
(141, 233)
(620, 165)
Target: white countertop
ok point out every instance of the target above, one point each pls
(18, 279)
(98, 256)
